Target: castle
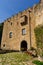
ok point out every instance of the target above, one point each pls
(18, 31)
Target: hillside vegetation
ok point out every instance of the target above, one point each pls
(15, 58)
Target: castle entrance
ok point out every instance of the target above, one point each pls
(23, 46)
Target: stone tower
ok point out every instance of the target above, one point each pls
(18, 31)
(39, 13)
(41, 3)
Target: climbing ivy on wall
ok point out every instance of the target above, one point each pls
(39, 37)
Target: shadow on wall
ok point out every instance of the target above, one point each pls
(1, 30)
(7, 51)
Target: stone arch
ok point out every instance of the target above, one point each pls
(23, 45)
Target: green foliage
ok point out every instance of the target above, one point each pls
(39, 37)
(37, 62)
(14, 58)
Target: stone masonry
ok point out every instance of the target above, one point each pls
(21, 26)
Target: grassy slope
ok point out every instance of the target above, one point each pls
(14, 58)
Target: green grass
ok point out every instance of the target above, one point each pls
(15, 58)
(37, 62)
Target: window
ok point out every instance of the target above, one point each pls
(24, 20)
(23, 31)
(10, 35)
(3, 45)
(11, 23)
(8, 21)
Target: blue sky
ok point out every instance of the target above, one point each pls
(11, 7)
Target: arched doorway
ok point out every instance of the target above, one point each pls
(23, 45)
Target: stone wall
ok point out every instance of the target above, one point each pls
(13, 25)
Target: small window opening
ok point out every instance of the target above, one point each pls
(10, 35)
(23, 31)
(25, 21)
(3, 45)
(11, 23)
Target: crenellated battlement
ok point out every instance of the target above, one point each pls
(18, 15)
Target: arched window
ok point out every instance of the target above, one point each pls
(10, 35)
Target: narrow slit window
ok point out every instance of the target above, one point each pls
(23, 31)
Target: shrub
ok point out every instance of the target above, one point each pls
(39, 38)
(37, 62)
